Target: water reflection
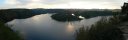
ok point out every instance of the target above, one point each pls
(70, 27)
(36, 18)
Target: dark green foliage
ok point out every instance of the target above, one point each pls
(105, 29)
(65, 17)
(7, 34)
(10, 14)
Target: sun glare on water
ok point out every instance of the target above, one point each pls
(70, 28)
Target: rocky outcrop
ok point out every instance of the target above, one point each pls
(125, 8)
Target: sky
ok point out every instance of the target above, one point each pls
(62, 4)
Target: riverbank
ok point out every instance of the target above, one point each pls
(8, 34)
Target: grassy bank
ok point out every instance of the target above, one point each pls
(105, 29)
(8, 34)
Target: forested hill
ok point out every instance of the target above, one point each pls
(10, 14)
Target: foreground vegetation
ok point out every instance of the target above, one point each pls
(105, 29)
(8, 34)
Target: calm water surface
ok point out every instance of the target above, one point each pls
(43, 27)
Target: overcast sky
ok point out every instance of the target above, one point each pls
(82, 4)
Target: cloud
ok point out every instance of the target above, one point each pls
(12, 2)
(63, 4)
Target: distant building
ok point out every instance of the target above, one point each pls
(125, 8)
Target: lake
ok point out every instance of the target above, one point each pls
(43, 27)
